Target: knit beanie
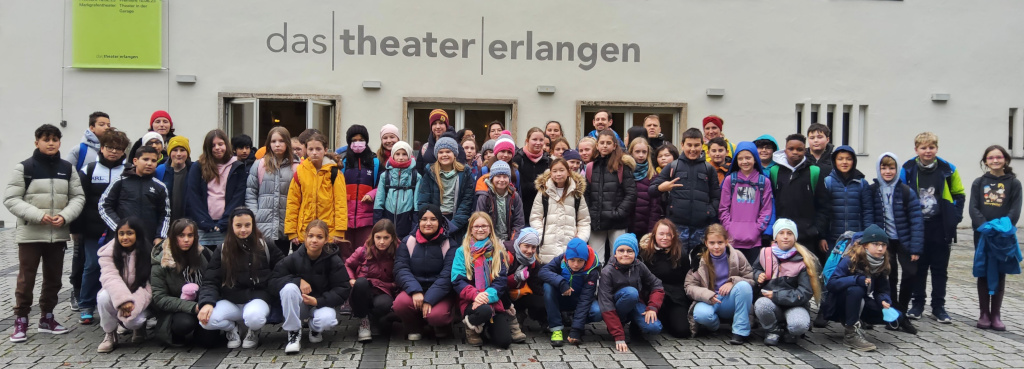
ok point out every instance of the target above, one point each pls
(389, 128)
(528, 236)
(446, 143)
(577, 249)
(504, 144)
(160, 114)
(781, 224)
(178, 141)
(874, 234)
(500, 168)
(354, 130)
(571, 155)
(439, 114)
(152, 135)
(489, 145)
(713, 119)
(627, 239)
(401, 145)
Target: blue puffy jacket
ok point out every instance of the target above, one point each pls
(852, 203)
(997, 253)
(842, 279)
(906, 212)
(427, 269)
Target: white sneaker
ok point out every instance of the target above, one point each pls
(294, 344)
(252, 339)
(234, 340)
(364, 331)
(315, 337)
(414, 336)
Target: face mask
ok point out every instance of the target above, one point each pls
(358, 147)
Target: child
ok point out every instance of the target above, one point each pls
(266, 190)
(216, 185)
(570, 283)
(560, 210)
(479, 273)
(850, 194)
(629, 293)
(388, 138)
(235, 285)
(487, 151)
(818, 138)
(362, 173)
(87, 152)
(994, 195)
(798, 188)
(858, 289)
(898, 212)
(473, 161)
(648, 208)
(766, 148)
(124, 275)
(693, 191)
(313, 284)
(787, 274)
(720, 286)
(396, 192)
(504, 150)
(138, 194)
(242, 145)
(586, 149)
(298, 149)
(665, 155)
(44, 193)
(524, 283)
(448, 185)
(662, 252)
(716, 156)
(371, 274)
(174, 174)
(938, 186)
(747, 202)
(317, 191)
(423, 266)
(573, 158)
(156, 141)
(177, 272)
(531, 161)
(554, 130)
(611, 192)
(500, 200)
(559, 146)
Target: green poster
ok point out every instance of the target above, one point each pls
(123, 34)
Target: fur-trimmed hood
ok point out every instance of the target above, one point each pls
(579, 187)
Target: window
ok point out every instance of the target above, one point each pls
(472, 114)
(847, 122)
(256, 114)
(629, 114)
(1015, 139)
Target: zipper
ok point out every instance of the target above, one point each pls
(53, 205)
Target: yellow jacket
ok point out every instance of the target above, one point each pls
(311, 195)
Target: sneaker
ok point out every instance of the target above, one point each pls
(771, 339)
(854, 339)
(234, 340)
(151, 323)
(252, 339)
(47, 324)
(414, 336)
(790, 338)
(939, 313)
(556, 338)
(738, 339)
(20, 330)
(294, 342)
(315, 337)
(139, 335)
(121, 331)
(109, 343)
(364, 331)
(85, 318)
(74, 301)
(915, 312)
(346, 309)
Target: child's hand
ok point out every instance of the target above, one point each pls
(309, 300)
(426, 309)
(650, 316)
(126, 309)
(204, 314)
(57, 221)
(885, 305)
(621, 346)
(482, 298)
(304, 287)
(668, 186)
(724, 290)
(567, 292)
(351, 282)
(761, 278)
(367, 198)
(46, 219)
(417, 300)
(715, 300)
(867, 282)
(767, 293)
(915, 257)
(295, 241)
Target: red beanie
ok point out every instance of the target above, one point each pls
(439, 114)
(713, 119)
(160, 114)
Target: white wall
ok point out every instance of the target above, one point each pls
(768, 55)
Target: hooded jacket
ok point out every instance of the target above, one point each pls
(143, 197)
(583, 283)
(611, 202)
(997, 253)
(486, 201)
(615, 277)
(529, 171)
(695, 204)
(906, 212)
(269, 199)
(379, 271)
(396, 198)
(765, 169)
(313, 195)
(788, 279)
(117, 284)
(426, 269)
(198, 194)
(950, 202)
(562, 221)
(792, 191)
(843, 278)
(53, 188)
(700, 288)
(746, 204)
(104, 172)
(327, 276)
(852, 203)
(167, 283)
(92, 150)
(252, 279)
(466, 288)
(995, 197)
(429, 193)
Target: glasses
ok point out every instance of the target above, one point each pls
(482, 227)
(113, 149)
(995, 158)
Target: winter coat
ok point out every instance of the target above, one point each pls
(167, 283)
(842, 279)
(611, 202)
(700, 288)
(143, 197)
(429, 192)
(648, 208)
(396, 198)
(466, 288)
(787, 290)
(268, 199)
(533, 284)
(793, 194)
(695, 204)
(430, 274)
(167, 177)
(314, 194)
(360, 180)
(117, 284)
(615, 277)
(51, 187)
(952, 199)
(251, 279)
(326, 276)
(673, 279)
(198, 195)
(906, 214)
(583, 283)
(746, 203)
(995, 197)
(91, 143)
(103, 173)
(562, 222)
(379, 271)
(997, 253)
(486, 201)
(852, 203)
(529, 171)
(824, 162)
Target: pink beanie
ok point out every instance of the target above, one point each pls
(389, 128)
(505, 144)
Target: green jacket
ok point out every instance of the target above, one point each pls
(167, 283)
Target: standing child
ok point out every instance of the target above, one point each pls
(138, 194)
(447, 184)
(267, 187)
(500, 200)
(850, 194)
(666, 154)
(938, 185)
(570, 283)
(174, 174)
(820, 148)
(574, 159)
(317, 191)
(44, 193)
(693, 191)
(560, 211)
(717, 157)
(787, 274)
(611, 192)
(747, 201)
(479, 273)
(531, 161)
(648, 208)
(242, 145)
(124, 275)
(994, 195)
(396, 193)
(313, 284)
(629, 293)
(216, 186)
(720, 286)
(898, 212)
(662, 252)
(362, 172)
(473, 161)
(371, 272)
(388, 138)
(766, 148)
(799, 192)
(87, 152)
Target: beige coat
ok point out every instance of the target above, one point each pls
(700, 289)
(44, 196)
(562, 225)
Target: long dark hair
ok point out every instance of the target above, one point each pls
(184, 259)
(207, 162)
(614, 157)
(383, 225)
(141, 250)
(234, 248)
(1006, 157)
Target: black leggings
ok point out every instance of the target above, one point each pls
(500, 330)
(183, 324)
(368, 300)
(675, 318)
(900, 259)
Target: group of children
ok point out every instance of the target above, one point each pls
(634, 233)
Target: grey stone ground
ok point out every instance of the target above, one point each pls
(940, 346)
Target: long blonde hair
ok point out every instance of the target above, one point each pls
(270, 160)
(500, 255)
(811, 262)
(706, 255)
(650, 167)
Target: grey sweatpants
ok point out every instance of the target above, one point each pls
(797, 318)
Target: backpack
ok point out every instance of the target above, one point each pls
(388, 186)
(815, 172)
(334, 175)
(376, 176)
(590, 171)
(844, 241)
(410, 244)
(734, 179)
(544, 201)
(82, 150)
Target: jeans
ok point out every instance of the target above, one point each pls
(630, 309)
(737, 304)
(935, 258)
(90, 273)
(110, 316)
(226, 314)
(691, 237)
(797, 318)
(320, 319)
(555, 304)
(211, 240)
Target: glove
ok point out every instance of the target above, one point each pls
(188, 291)
(522, 275)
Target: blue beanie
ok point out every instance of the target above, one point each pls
(446, 143)
(627, 239)
(500, 168)
(571, 155)
(577, 249)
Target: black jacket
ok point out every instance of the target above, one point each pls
(251, 278)
(96, 177)
(326, 275)
(198, 193)
(672, 279)
(528, 173)
(793, 194)
(695, 204)
(611, 203)
(143, 197)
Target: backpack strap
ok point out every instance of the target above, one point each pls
(260, 171)
(734, 177)
(160, 171)
(82, 150)
(334, 174)
(544, 219)
(410, 243)
(28, 170)
(774, 173)
(590, 171)
(815, 172)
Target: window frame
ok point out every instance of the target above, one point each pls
(460, 105)
(628, 109)
(855, 123)
(226, 98)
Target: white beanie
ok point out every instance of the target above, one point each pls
(781, 224)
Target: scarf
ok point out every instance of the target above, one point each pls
(531, 156)
(929, 166)
(420, 238)
(886, 190)
(783, 255)
(528, 236)
(395, 164)
(876, 264)
(448, 175)
(481, 252)
(641, 171)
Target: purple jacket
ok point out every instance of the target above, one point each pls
(746, 209)
(648, 208)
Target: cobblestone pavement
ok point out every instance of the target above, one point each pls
(941, 346)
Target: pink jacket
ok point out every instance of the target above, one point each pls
(117, 285)
(380, 271)
(746, 210)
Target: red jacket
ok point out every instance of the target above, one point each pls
(380, 270)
